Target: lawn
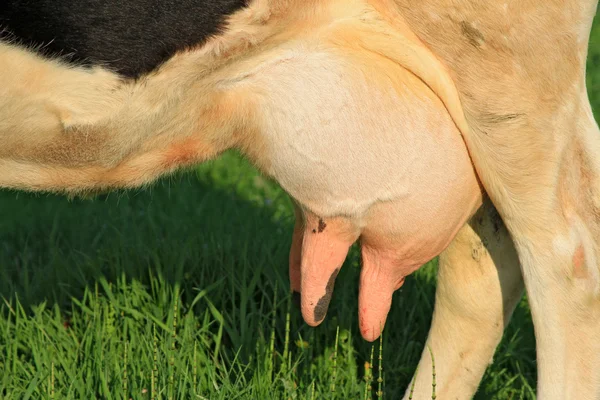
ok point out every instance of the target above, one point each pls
(180, 291)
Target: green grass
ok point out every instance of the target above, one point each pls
(180, 292)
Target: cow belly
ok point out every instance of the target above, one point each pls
(368, 153)
(381, 151)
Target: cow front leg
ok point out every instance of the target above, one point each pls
(479, 285)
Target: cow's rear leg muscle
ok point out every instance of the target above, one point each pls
(550, 209)
(479, 284)
(535, 148)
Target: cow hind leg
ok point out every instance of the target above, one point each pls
(547, 194)
(479, 284)
(562, 274)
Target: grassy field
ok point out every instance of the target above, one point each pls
(181, 292)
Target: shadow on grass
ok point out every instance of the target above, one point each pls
(52, 248)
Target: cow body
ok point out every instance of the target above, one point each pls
(131, 38)
(362, 111)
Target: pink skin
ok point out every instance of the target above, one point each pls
(319, 249)
(381, 275)
(396, 237)
(405, 203)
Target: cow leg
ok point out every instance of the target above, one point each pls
(479, 284)
(547, 193)
(535, 145)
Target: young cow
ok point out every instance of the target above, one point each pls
(361, 110)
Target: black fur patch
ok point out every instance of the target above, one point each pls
(131, 37)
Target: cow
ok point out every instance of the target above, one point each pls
(456, 128)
